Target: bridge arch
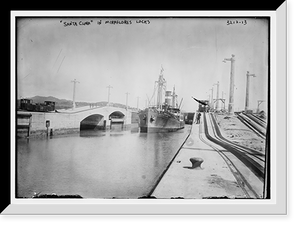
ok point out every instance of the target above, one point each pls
(92, 122)
(116, 115)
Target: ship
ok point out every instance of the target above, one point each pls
(164, 116)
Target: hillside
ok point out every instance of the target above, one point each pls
(65, 104)
(40, 99)
(59, 103)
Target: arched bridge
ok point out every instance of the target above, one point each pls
(82, 118)
(98, 117)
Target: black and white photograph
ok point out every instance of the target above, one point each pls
(142, 107)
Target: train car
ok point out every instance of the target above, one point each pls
(203, 108)
(50, 106)
(28, 105)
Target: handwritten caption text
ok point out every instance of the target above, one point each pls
(235, 22)
(103, 22)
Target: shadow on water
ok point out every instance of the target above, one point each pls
(115, 130)
(116, 134)
(134, 130)
(111, 166)
(92, 133)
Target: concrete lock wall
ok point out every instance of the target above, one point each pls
(57, 121)
(70, 122)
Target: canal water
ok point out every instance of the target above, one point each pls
(96, 164)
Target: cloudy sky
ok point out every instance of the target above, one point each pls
(51, 52)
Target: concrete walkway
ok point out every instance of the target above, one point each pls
(77, 109)
(213, 180)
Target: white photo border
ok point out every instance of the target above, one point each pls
(278, 85)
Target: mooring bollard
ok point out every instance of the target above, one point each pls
(196, 162)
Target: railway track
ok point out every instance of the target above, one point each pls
(252, 159)
(254, 123)
(257, 119)
(249, 151)
(241, 180)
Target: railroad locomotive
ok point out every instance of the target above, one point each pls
(28, 105)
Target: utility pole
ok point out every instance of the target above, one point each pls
(109, 87)
(223, 99)
(74, 81)
(247, 90)
(212, 98)
(137, 105)
(217, 98)
(231, 91)
(127, 100)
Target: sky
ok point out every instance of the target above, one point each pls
(52, 52)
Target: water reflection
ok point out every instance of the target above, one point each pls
(134, 130)
(116, 134)
(115, 130)
(92, 133)
(95, 164)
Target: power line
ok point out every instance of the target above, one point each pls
(60, 64)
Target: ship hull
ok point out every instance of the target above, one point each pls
(151, 120)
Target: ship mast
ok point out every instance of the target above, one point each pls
(160, 86)
(174, 96)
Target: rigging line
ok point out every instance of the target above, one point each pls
(57, 57)
(60, 64)
(153, 92)
(26, 75)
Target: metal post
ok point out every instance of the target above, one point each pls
(127, 100)
(231, 91)
(212, 97)
(223, 100)
(247, 90)
(74, 81)
(125, 122)
(208, 99)
(231, 97)
(109, 87)
(217, 98)
(217, 105)
(29, 126)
